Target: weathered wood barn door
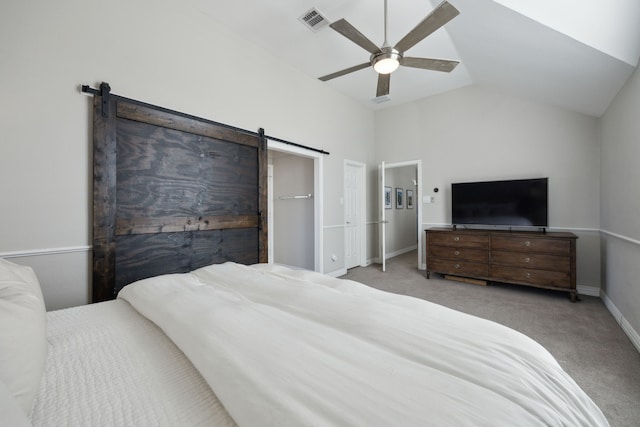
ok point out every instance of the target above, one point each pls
(172, 193)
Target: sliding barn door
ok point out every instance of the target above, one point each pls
(172, 193)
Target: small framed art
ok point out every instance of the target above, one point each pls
(399, 198)
(387, 197)
(409, 199)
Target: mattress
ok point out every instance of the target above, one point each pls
(109, 366)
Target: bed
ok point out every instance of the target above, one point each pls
(190, 326)
(264, 345)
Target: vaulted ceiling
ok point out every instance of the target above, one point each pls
(575, 54)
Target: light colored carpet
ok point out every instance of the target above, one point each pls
(583, 337)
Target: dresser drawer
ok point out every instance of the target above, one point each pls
(459, 254)
(459, 268)
(531, 260)
(533, 277)
(530, 244)
(525, 258)
(460, 240)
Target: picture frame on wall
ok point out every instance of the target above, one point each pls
(409, 196)
(387, 197)
(399, 198)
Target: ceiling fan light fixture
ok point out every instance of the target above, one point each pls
(386, 65)
(386, 62)
(386, 58)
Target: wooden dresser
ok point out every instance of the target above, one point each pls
(543, 260)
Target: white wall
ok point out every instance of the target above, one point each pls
(162, 52)
(477, 133)
(620, 207)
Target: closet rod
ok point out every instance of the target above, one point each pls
(305, 196)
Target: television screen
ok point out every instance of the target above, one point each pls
(518, 203)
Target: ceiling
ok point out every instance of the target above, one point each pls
(575, 54)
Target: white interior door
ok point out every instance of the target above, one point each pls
(382, 196)
(353, 195)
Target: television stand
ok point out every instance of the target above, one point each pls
(527, 258)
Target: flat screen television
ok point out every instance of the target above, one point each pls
(512, 203)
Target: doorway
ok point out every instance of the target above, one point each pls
(295, 206)
(400, 209)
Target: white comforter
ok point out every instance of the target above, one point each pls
(284, 347)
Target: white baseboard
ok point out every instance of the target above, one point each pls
(624, 324)
(401, 251)
(376, 260)
(592, 291)
(631, 333)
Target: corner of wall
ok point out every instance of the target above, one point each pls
(633, 335)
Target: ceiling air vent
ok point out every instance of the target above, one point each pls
(381, 99)
(314, 20)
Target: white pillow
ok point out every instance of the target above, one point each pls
(12, 414)
(23, 340)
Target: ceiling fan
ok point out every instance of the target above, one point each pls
(386, 58)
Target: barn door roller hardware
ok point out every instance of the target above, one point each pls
(104, 91)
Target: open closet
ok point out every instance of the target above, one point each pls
(295, 206)
(293, 213)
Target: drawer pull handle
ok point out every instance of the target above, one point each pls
(457, 266)
(527, 243)
(528, 275)
(456, 238)
(456, 253)
(527, 260)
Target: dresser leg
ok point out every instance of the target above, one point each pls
(574, 296)
(428, 274)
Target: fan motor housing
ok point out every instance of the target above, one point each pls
(386, 53)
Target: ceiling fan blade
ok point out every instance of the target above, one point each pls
(383, 84)
(442, 14)
(443, 65)
(345, 71)
(350, 32)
